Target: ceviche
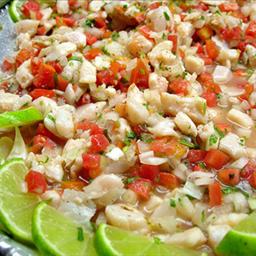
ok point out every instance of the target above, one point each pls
(137, 114)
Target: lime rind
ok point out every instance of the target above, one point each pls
(20, 117)
(57, 235)
(16, 207)
(14, 10)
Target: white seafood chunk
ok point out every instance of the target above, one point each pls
(185, 124)
(87, 73)
(24, 75)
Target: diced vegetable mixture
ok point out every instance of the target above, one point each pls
(149, 111)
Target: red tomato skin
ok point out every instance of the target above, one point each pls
(91, 161)
(229, 177)
(141, 187)
(248, 170)
(149, 172)
(211, 49)
(229, 34)
(92, 54)
(8, 66)
(36, 182)
(211, 99)
(30, 6)
(215, 194)
(36, 93)
(22, 56)
(196, 155)
(87, 125)
(90, 39)
(229, 7)
(179, 86)
(99, 143)
(105, 77)
(45, 77)
(251, 29)
(252, 180)
(216, 159)
(140, 75)
(168, 180)
(174, 40)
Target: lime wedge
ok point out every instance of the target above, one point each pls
(14, 10)
(57, 235)
(20, 117)
(241, 240)
(5, 148)
(16, 208)
(112, 241)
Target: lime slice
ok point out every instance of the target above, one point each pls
(111, 241)
(16, 208)
(14, 10)
(5, 148)
(57, 235)
(20, 117)
(241, 240)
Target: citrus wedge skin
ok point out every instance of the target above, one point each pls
(240, 241)
(112, 241)
(57, 235)
(14, 10)
(16, 208)
(20, 117)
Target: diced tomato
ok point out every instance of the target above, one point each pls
(207, 60)
(100, 22)
(87, 125)
(252, 180)
(230, 177)
(202, 6)
(206, 80)
(23, 55)
(8, 66)
(216, 159)
(36, 182)
(248, 91)
(150, 172)
(229, 34)
(41, 30)
(196, 155)
(168, 180)
(56, 65)
(116, 67)
(36, 93)
(141, 187)
(215, 194)
(105, 77)
(30, 6)
(38, 143)
(229, 7)
(249, 169)
(72, 3)
(85, 99)
(145, 31)
(140, 75)
(92, 53)
(211, 49)
(61, 83)
(211, 98)
(205, 33)
(99, 143)
(179, 86)
(154, 5)
(35, 64)
(174, 40)
(223, 127)
(65, 21)
(45, 77)
(200, 48)
(251, 29)
(90, 39)
(77, 185)
(91, 161)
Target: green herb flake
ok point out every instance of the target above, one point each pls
(75, 58)
(105, 51)
(203, 216)
(146, 137)
(89, 23)
(80, 234)
(51, 117)
(129, 137)
(219, 132)
(187, 143)
(130, 180)
(172, 202)
(166, 15)
(213, 139)
(115, 35)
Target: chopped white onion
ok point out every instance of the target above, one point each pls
(240, 163)
(222, 74)
(115, 154)
(149, 158)
(201, 178)
(193, 190)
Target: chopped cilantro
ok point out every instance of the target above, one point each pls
(80, 234)
(213, 139)
(242, 141)
(146, 137)
(166, 15)
(75, 58)
(88, 23)
(203, 216)
(129, 137)
(172, 202)
(115, 35)
(50, 117)
(130, 180)
(105, 51)
(187, 143)
(219, 132)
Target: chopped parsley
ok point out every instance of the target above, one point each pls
(51, 117)
(80, 234)
(89, 23)
(76, 58)
(105, 51)
(130, 180)
(213, 139)
(129, 137)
